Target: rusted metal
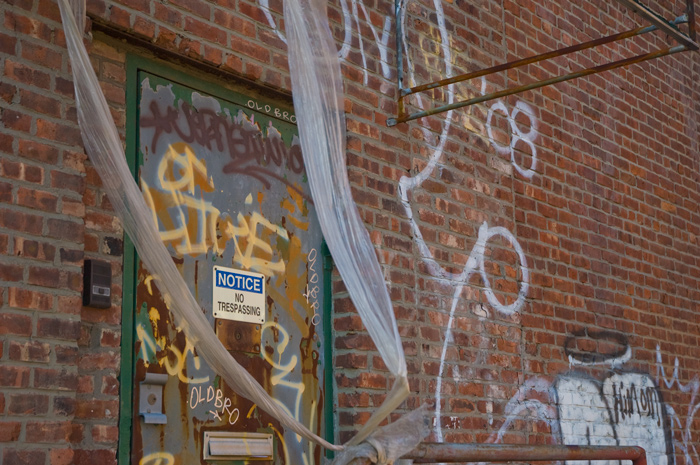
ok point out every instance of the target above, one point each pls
(453, 453)
(239, 337)
(538, 84)
(532, 59)
(457, 453)
(662, 24)
(686, 41)
(690, 11)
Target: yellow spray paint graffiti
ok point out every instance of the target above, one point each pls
(194, 226)
(158, 458)
(152, 347)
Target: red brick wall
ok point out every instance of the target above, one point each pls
(607, 220)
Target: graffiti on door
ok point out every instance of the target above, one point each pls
(226, 186)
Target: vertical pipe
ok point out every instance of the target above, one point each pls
(399, 56)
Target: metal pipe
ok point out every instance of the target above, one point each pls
(537, 58)
(446, 452)
(690, 11)
(399, 53)
(538, 84)
(662, 24)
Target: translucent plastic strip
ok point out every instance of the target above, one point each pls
(106, 153)
(319, 106)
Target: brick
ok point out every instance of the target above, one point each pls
(11, 272)
(8, 44)
(36, 199)
(23, 457)
(71, 257)
(14, 376)
(99, 360)
(21, 73)
(10, 431)
(110, 386)
(58, 328)
(15, 120)
(65, 230)
(28, 404)
(49, 432)
(15, 324)
(64, 406)
(60, 380)
(38, 151)
(30, 351)
(61, 456)
(102, 222)
(97, 409)
(20, 221)
(102, 434)
(102, 456)
(32, 249)
(22, 171)
(62, 133)
(110, 338)
(29, 299)
(66, 355)
(44, 277)
(68, 181)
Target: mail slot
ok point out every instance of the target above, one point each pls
(237, 446)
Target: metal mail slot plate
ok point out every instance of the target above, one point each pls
(222, 445)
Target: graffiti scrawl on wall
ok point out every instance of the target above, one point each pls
(614, 407)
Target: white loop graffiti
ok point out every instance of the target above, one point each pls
(351, 10)
(476, 260)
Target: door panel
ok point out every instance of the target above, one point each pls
(224, 176)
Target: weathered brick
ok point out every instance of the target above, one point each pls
(28, 404)
(10, 431)
(58, 328)
(20, 72)
(15, 324)
(29, 299)
(30, 351)
(65, 230)
(14, 376)
(23, 457)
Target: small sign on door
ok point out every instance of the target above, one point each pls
(238, 295)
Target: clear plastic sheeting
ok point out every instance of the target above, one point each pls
(319, 106)
(318, 99)
(391, 442)
(105, 150)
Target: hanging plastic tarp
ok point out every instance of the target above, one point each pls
(318, 99)
(317, 89)
(106, 153)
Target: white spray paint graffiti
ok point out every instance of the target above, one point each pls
(686, 445)
(517, 134)
(625, 409)
(436, 144)
(350, 13)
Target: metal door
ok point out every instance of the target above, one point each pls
(224, 176)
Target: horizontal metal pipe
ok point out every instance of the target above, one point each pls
(445, 452)
(538, 84)
(537, 58)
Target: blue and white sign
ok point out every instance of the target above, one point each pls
(238, 295)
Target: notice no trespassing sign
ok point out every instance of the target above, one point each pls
(238, 295)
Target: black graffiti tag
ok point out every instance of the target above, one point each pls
(251, 154)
